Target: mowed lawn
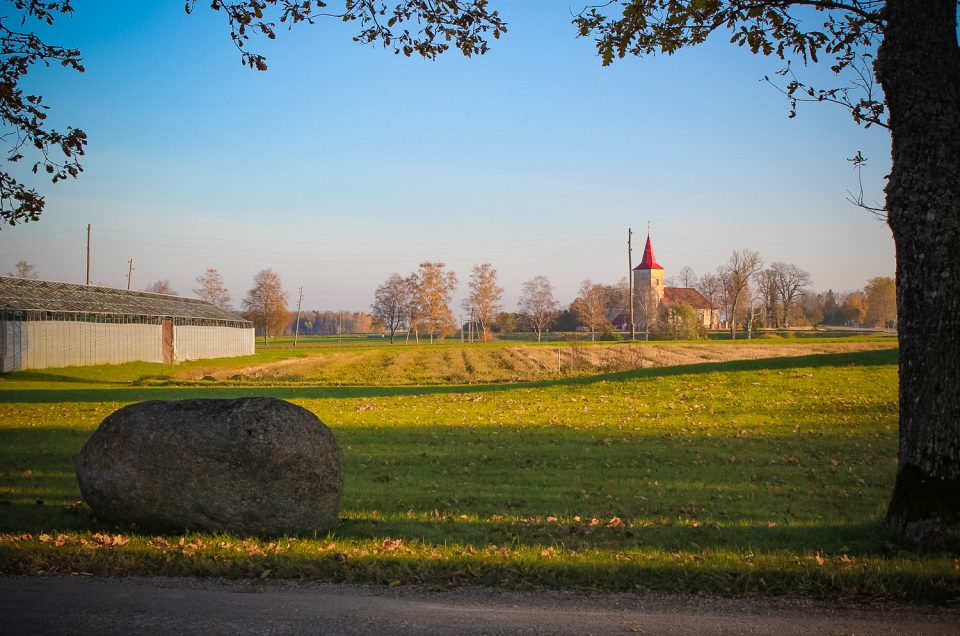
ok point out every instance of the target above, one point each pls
(747, 476)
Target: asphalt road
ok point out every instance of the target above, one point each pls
(87, 605)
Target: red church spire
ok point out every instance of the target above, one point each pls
(648, 262)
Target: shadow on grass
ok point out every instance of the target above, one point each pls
(527, 486)
(855, 539)
(180, 391)
(40, 376)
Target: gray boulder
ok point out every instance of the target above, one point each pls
(251, 466)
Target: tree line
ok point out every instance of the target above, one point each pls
(745, 294)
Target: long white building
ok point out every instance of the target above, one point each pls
(47, 324)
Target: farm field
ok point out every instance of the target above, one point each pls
(448, 362)
(726, 468)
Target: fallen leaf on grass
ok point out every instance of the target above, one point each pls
(389, 545)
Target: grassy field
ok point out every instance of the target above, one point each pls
(747, 474)
(449, 362)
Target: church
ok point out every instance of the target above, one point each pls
(648, 283)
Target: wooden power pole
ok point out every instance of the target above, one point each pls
(296, 325)
(129, 272)
(88, 253)
(633, 322)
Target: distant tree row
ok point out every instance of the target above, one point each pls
(420, 302)
(745, 294)
(326, 323)
(874, 306)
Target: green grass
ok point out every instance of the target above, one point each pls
(746, 477)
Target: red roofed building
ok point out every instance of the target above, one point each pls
(648, 284)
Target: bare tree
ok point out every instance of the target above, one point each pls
(766, 288)
(434, 289)
(266, 304)
(391, 304)
(618, 297)
(723, 278)
(537, 303)
(212, 289)
(754, 302)
(741, 267)
(686, 277)
(791, 283)
(647, 305)
(25, 269)
(483, 303)
(711, 287)
(414, 310)
(161, 287)
(591, 306)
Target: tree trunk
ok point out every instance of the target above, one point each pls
(918, 65)
(733, 320)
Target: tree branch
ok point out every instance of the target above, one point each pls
(859, 161)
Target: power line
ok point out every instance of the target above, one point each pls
(363, 244)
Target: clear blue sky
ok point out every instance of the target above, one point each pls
(343, 164)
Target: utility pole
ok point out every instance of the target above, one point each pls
(630, 280)
(88, 253)
(129, 273)
(296, 327)
(340, 326)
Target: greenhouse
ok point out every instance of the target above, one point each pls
(46, 324)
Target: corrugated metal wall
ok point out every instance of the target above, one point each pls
(28, 344)
(9, 351)
(64, 343)
(196, 342)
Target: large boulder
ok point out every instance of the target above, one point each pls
(256, 466)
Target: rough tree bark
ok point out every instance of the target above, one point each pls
(918, 64)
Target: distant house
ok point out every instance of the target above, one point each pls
(648, 282)
(50, 324)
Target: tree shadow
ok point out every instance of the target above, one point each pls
(42, 376)
(541, 486)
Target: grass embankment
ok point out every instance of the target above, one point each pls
(745, 477)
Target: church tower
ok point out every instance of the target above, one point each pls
(648, 275)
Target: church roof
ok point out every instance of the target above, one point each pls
(677, 295)
(648, 261)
